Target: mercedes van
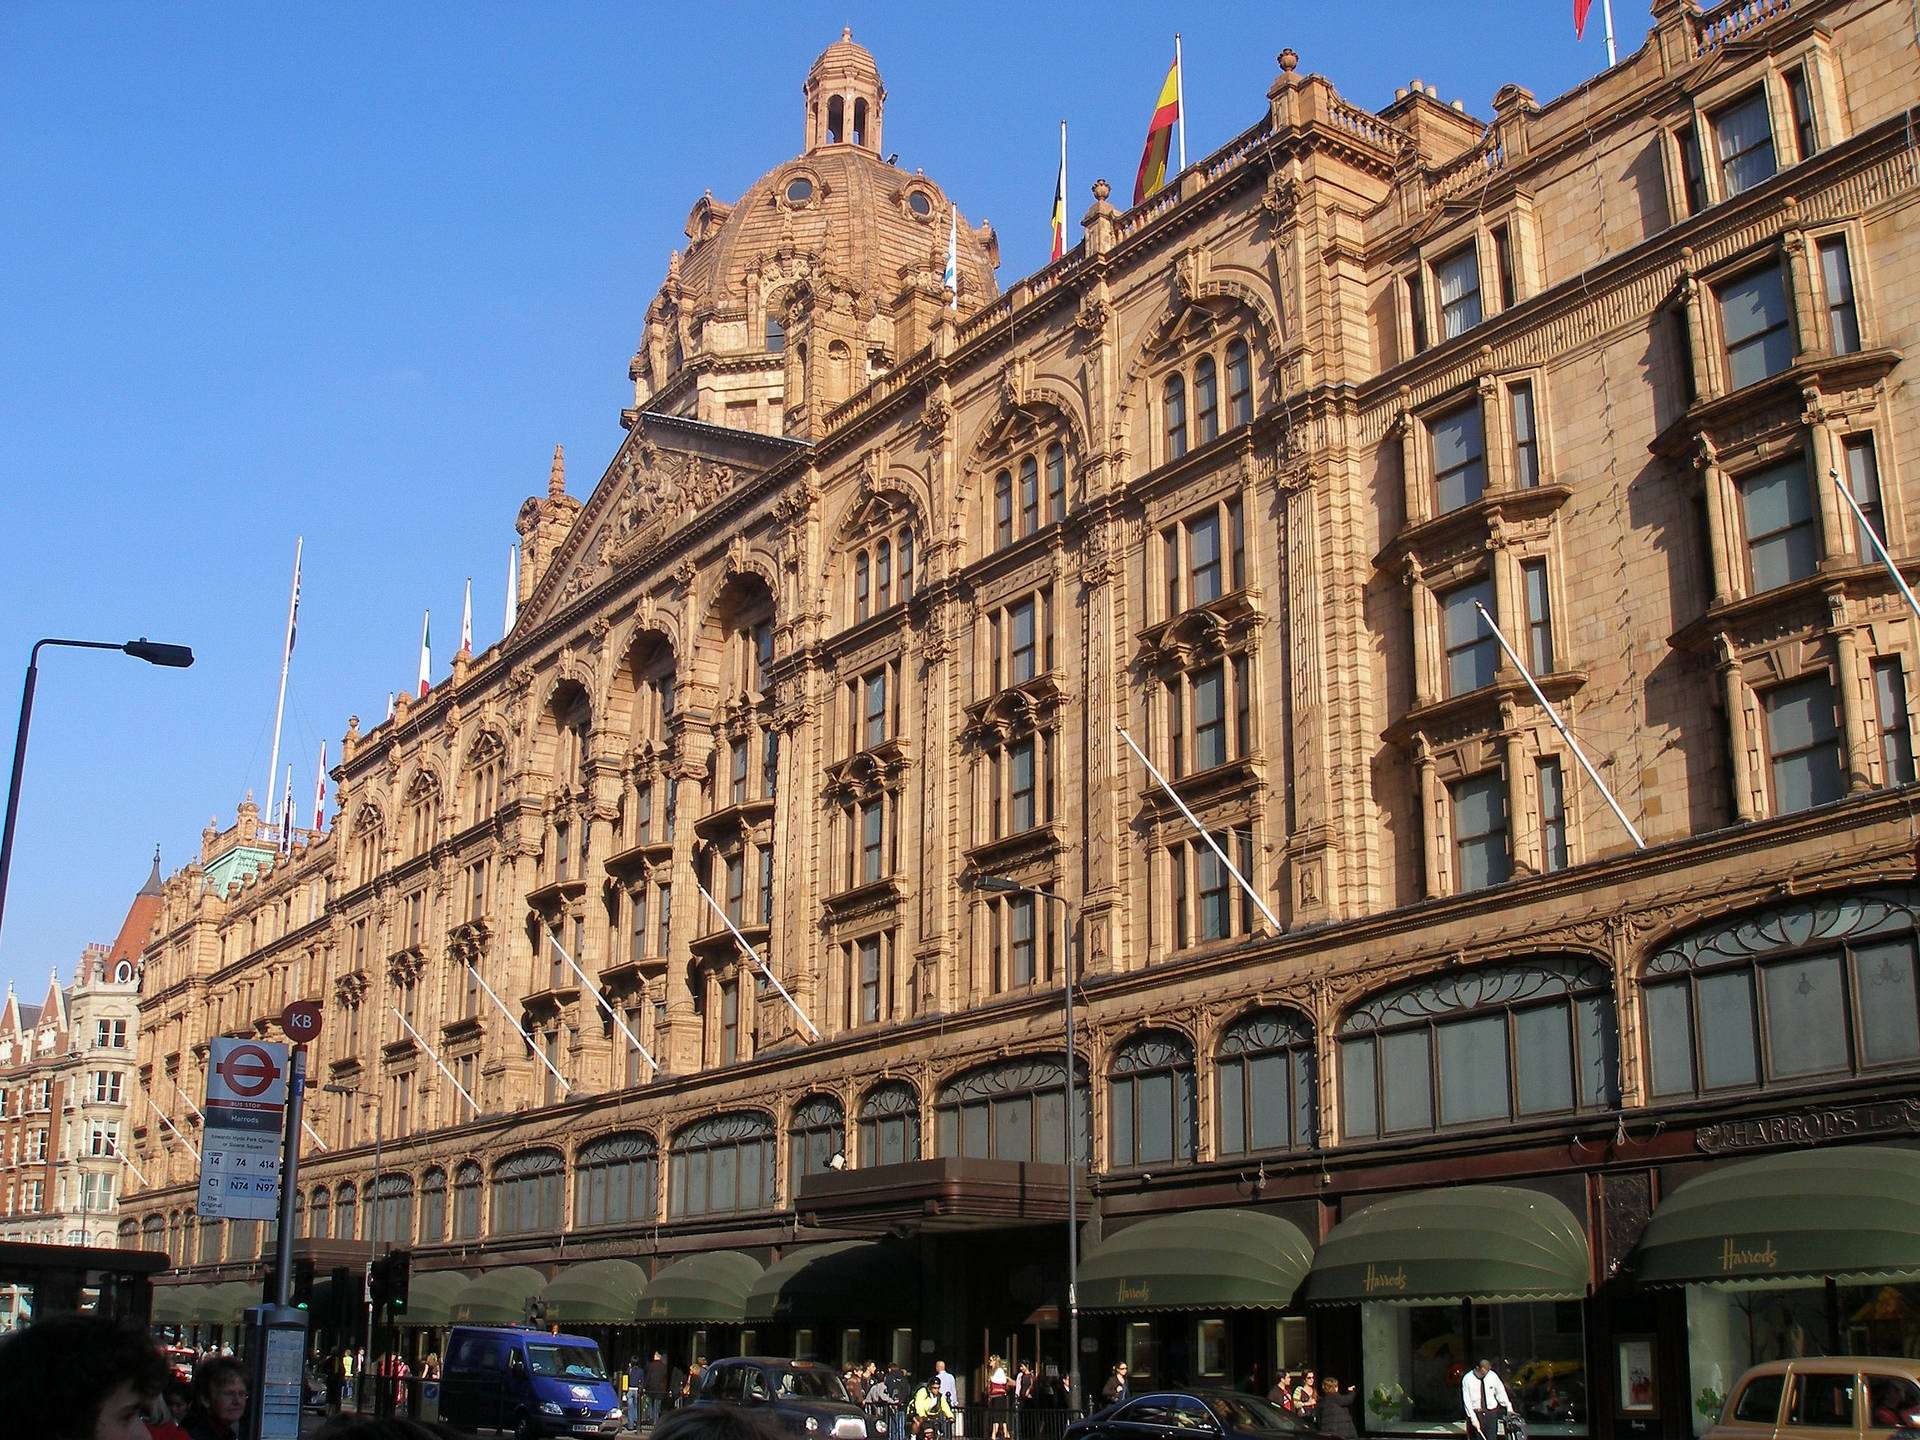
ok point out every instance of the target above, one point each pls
(505, 1378)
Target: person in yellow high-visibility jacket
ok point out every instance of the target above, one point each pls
(932, 1415)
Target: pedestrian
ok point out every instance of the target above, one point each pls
(1115, 1390)
(1485, 1400)
(657, 1378)
(219, 1399)
(1282, 1392)
(636, 1392)
(80, 1377)
(1306, 1396)
(900, 1388)
(932, 1411)
(999, 1399)
(949, 1391)
(1335, 1416)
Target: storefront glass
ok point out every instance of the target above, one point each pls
(1732, 1327)
(1415, 1356)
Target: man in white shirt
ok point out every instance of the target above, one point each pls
(1485, 1400)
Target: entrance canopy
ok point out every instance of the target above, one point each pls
(1480, 1242)
(430, 1297)
(1203, 1260)
(595, 1292)
(498, 1297)
(172, 1304)
(835, 1281)
(707, 1289)
(1849, 1212)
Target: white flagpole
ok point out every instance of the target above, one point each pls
(537, 1053)
(127, 1160)
(286, 660)
(1180, 97)
(1245, 884)
(313, 1134)
(1065, 222)
(1606, 9)
(594, 990)
(164, 1120)
(513, 589)
(1561, 726)
(754, 954)
(421, 1041)
(1873, 539)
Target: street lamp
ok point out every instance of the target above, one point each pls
(373, 1221)
(1001, 883)
(152, 651)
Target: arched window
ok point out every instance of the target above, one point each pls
(614, 1180)
(423, 813)
(1492, 1044)
(1173, 413)
(836, 120)
(209, 1242)
(721, 1165)
(1206, 400)
(817, 1133)
(433, 1206)
(345, 1204)
(299, 1214)
(153, 1232)
(1003, 509)
(391, 1211)
(320, 1215)
(485, 762)
(1015, 1110)
(860, 121)
(176, 1241)
(890, 1125)
(1263, 1074)
(862, 587)
(466, 1201)
(1813, 990)
(1239, 383)
(1150, 1100)
(883, 574)
(526, 1193)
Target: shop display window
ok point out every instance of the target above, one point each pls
(1415, 1356)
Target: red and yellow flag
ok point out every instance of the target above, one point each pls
(1060, 199)
(1166, 114)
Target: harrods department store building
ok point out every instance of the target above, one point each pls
(857, 614)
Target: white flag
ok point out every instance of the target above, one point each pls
(426, 654)
(513, 587)
(952, 278)
(466, 620)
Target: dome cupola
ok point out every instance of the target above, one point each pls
(844, 97)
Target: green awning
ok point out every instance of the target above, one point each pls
(1201, 1260)
(708, 1289)
(1851, 1213)
(173, 1304)
(1484, 1242)
(430, 1297)
(222, 1304)
(498, 1297)
(838, 1281)
(595, 1292)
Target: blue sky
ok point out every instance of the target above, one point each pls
(351, 272)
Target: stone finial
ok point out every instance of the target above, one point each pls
(1101, 190)
(1289, 60)
(846, 32)
(557, 476)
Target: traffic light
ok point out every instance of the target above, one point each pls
(300, 1288)
(399, 1272)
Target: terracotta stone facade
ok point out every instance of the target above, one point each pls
(877, 595)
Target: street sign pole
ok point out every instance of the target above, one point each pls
(277, 1352)
(289, 1176)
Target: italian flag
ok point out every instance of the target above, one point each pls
(1166, 114)
(426, 654)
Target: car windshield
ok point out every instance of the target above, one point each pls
(812, 1385)
(1247, 1412)
(566, 1362)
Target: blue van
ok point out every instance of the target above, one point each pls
(505, 1378)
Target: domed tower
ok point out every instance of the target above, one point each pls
(827, 273)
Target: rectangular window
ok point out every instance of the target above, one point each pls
(638, 926)
(770, 765)
(1503, 263)
(1214, 892)
(1526, 443)
(1021, 809)
(1890, 712)
(1693, 175)
(1776, 505)
(1239, 383)
(766, 885)
(736, 888)
(1456, 284)
(730, 1022)
(1206, 400)
(1533, 578)
(1417, 311)
(1020, 939)
(1863, 480)
(1209, 717)
(562, 851)
(1836, 276)
(1459, 458)
(872, 826)
(477, 890)
(1003, 509)
(1743, 143)
(1056, 483)
(1173, 409)
(1553, 815)
(1803, 745)
(737, 765)
(874, 710)
(1020, 641)
(1480, 850)
(1800, 101)
(1029, 496)
(106, 1086)
(665, 927)
(1471, 653)
(1203, 559)
(643, 813)
(1755, 326)
(869, 962)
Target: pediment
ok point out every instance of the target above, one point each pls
(667, 475)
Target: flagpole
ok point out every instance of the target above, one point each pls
(1180, 97)
(513, 589)
(286, 660)
(1064, 222)
(1606, 9)
(466, 620)
(320, 789)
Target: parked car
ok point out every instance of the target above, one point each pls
(806, 1398)
(1822, 1398)
(526, 1381)
(1181, 1414)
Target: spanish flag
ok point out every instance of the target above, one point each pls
(1060, 199)
(1166, 114)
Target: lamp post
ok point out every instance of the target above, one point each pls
(152, 651)
(373, 1223)
(1001, 883)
